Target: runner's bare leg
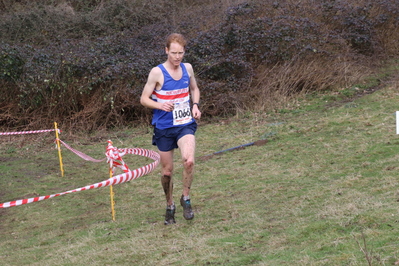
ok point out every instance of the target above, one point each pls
(167, 172)
(187, 150)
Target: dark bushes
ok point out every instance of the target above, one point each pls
(11, 63)
(84, 63)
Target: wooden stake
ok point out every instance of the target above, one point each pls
(111, 192)
(59, 148)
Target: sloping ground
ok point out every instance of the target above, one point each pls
(321, 189)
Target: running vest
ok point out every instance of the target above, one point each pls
(177, 92)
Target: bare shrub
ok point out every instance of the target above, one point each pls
(279, 85)
(86, 62)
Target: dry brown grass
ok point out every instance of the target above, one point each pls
(276, 87)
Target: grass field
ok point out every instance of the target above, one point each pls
(322, 191)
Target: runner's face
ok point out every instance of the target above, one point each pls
(175, 53)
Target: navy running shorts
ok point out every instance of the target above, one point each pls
(166, 139)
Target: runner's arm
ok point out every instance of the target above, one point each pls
(194, 90)
(152, 82)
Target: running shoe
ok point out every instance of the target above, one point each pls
(170, 215)
(188, 213)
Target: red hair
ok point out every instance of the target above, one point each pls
(176, 37)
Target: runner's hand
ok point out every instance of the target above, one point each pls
(167, 107)
(196, 112)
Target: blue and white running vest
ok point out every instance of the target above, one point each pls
(177, 92)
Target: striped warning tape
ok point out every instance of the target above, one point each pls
(122, 178)
(81, 154)
(27, 132)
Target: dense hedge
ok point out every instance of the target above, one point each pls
(84, 63)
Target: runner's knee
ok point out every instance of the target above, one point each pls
(188, 164)
(167, 173)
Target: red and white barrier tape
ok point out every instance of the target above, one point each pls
(27, 132)
(122, 178)
(81, 154)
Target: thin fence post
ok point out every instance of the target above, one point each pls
(59, 148)
(111, 192)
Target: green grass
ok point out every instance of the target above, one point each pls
(322, 191)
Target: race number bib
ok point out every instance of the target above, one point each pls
(181, 114)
